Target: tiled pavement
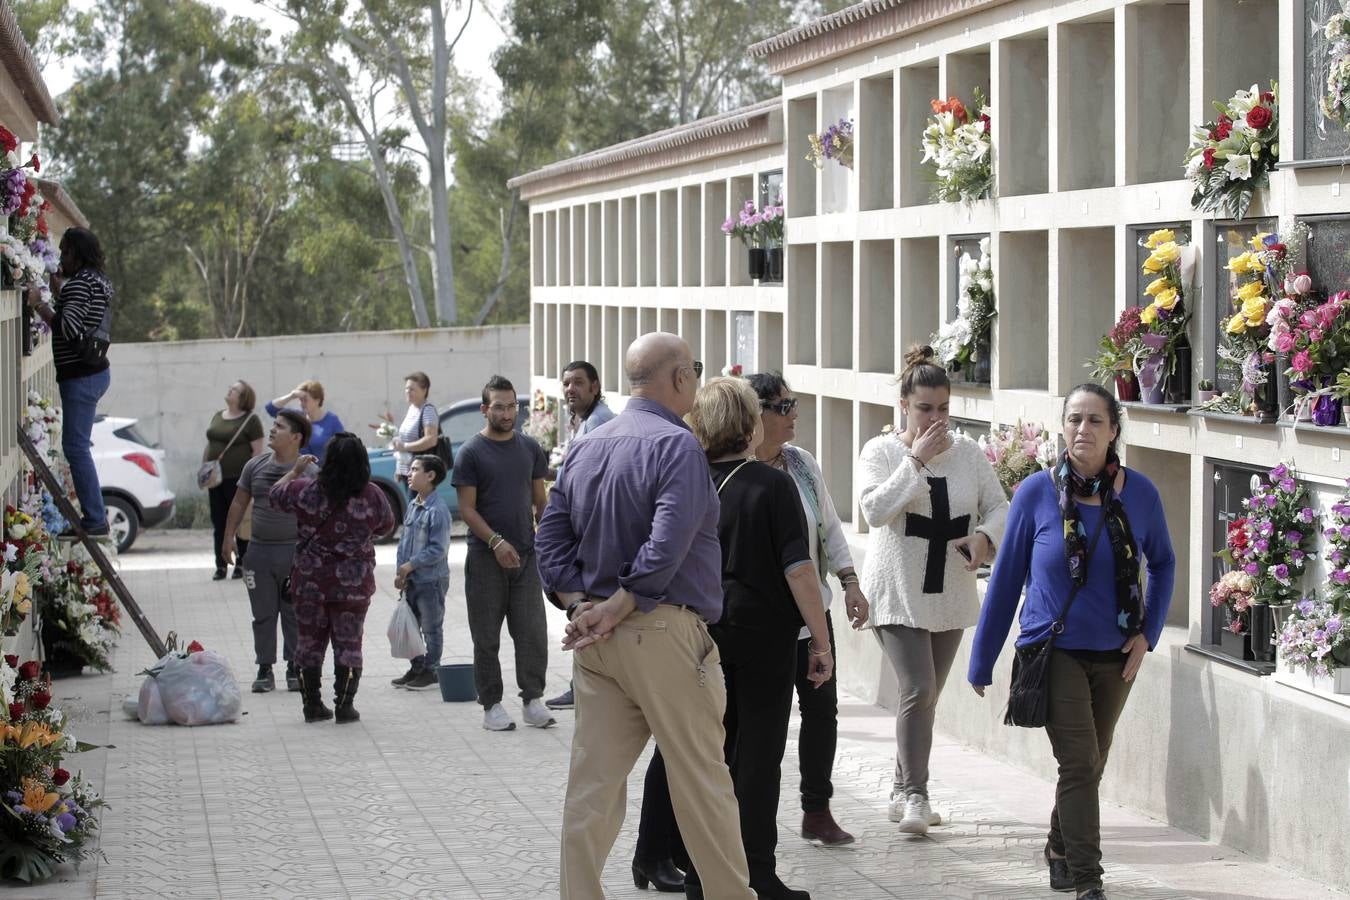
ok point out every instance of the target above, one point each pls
(417, 800)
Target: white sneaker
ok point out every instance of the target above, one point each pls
(898, 806)
(496, 719)
(917, 815)
(537, 714)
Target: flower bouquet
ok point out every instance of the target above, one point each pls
(1161, 343)
(835, 143)
(543, 422)
(1115, 355)
(1017, 452)
(78, 630)
(959, 148)
(1335, 103)
(1336, 537)
(761, 231)
(1315, 638)
(1230, 157)
(1258, 277)
(25, 565)
(46, 815)
(963, 344)
(1319, 341)
(1233, 593)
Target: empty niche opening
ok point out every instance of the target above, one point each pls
(551, 247)
(578, 348)
(1158, 38)
(714, 241)
(550, 338)
(691, 247)
(836, 304)
(1022, 277)
(743, 340)
(609, 370)
(968, 71)
(876, 143)
(647, 320)
(610, 228)
(538, 242)
(801, 265)
(919, 301)
(670, 321)
(667, 235)
(1024, 160)
(769, 342)
(1087, 98)
(628, 235)
(918, 87)
(538, 335)
(1240, 49)
(876, 306)
(628, 323)
(691, 329)
(1087, 299)
(595, 338)
(564, 339)
(714, 342)
(836, 452)
(807, 405)
(801, 175)
(579, 231)
(564, 246)
(872, 419)
(836, 108)
(594, 245)
(1171, 474)
(742, 192)
(647, 241)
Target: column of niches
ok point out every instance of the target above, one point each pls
(1022, 134)
(609, 252)
(1083, 300)
(594, 245)
(565, 246)
(917, 86)
(628, 241)
(714, 241)
(1153, 68)
(1022, 293)
(691, 236)
(1085, 109)
(875, 153)
(876, 306)
(801, 175)
(836, 305)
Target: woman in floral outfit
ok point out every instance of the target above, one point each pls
(338, 515)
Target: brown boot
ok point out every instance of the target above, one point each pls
(820, 826)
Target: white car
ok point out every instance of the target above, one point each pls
(131, 473)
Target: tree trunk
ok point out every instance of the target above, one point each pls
(443, 263)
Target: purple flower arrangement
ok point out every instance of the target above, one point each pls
(12, 185)
(834, 143)
(1315, 638)
(756, 227)
(1272, 540)
(1337, 538)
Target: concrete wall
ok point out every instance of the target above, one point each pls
(1249, 762)
(174, 388)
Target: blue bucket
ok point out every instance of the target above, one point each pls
(456, 682)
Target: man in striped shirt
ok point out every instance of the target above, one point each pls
(83, 303)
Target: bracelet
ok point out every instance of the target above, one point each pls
(845, 582)
(495, 540)
(810, 648)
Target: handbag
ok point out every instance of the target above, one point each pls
(1028, 698)
(442, 450)
(209, 474)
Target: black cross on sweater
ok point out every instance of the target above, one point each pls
(940, 529)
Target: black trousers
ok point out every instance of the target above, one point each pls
(220, 497)
(819, 732)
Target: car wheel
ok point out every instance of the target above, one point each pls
(392, 495)
(123, 521)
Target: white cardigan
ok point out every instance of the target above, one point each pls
(836, 542)
(896, 499)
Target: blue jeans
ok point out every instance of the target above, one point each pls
(79, 400)
(427, 600)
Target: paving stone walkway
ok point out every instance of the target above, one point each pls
(417, 800)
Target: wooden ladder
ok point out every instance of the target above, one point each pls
(95, 551)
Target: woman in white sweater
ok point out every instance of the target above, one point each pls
(936, 512)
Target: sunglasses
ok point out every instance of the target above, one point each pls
(782, 407)
(698, 368)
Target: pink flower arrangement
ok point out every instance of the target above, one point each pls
(1017, 452)
(1319, 338)
(1234, 591)
(756, 227)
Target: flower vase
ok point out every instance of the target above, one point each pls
(1262, 628)
(1279, 612)
(1177, 384)
(1265, 397)
(774, 265)
(1127, 387)
(1150, 375)
(759, 264)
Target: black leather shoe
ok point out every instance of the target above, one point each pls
(1094, 894)
(1060, 879)
(219, 576)
(769, 887)
(659, 873)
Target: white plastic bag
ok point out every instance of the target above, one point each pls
(150, 706)
(405, 635)
(199, 689)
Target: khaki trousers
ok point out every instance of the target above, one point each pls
(658, 675)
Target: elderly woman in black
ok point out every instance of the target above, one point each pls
(771, 590)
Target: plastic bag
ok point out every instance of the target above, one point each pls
(150, 705)
(198, 689)
(405, 635)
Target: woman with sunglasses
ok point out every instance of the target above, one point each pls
(937, 513)
(829, 553)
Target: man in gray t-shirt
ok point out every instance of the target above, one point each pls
(267, 561)
(499, 478)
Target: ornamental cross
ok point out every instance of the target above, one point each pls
(938, 530)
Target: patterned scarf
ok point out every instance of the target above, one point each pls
(1069, 485)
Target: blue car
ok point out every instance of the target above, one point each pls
(459, 421)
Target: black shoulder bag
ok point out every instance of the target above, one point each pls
(442, 450)
(1027, 695)
(92, 347)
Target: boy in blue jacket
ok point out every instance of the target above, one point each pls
(423, 571)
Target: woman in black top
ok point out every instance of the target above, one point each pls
(233, 438)
(84, 296)
(771, 589)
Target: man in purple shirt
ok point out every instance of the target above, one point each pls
(628, 545)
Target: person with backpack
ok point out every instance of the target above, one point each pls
(81, 323)
(421, 426)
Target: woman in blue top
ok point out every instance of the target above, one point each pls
(324, 424)
(1052, 543)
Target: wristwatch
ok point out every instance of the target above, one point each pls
(572, 608)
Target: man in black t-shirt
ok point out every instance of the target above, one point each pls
(499, 477)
